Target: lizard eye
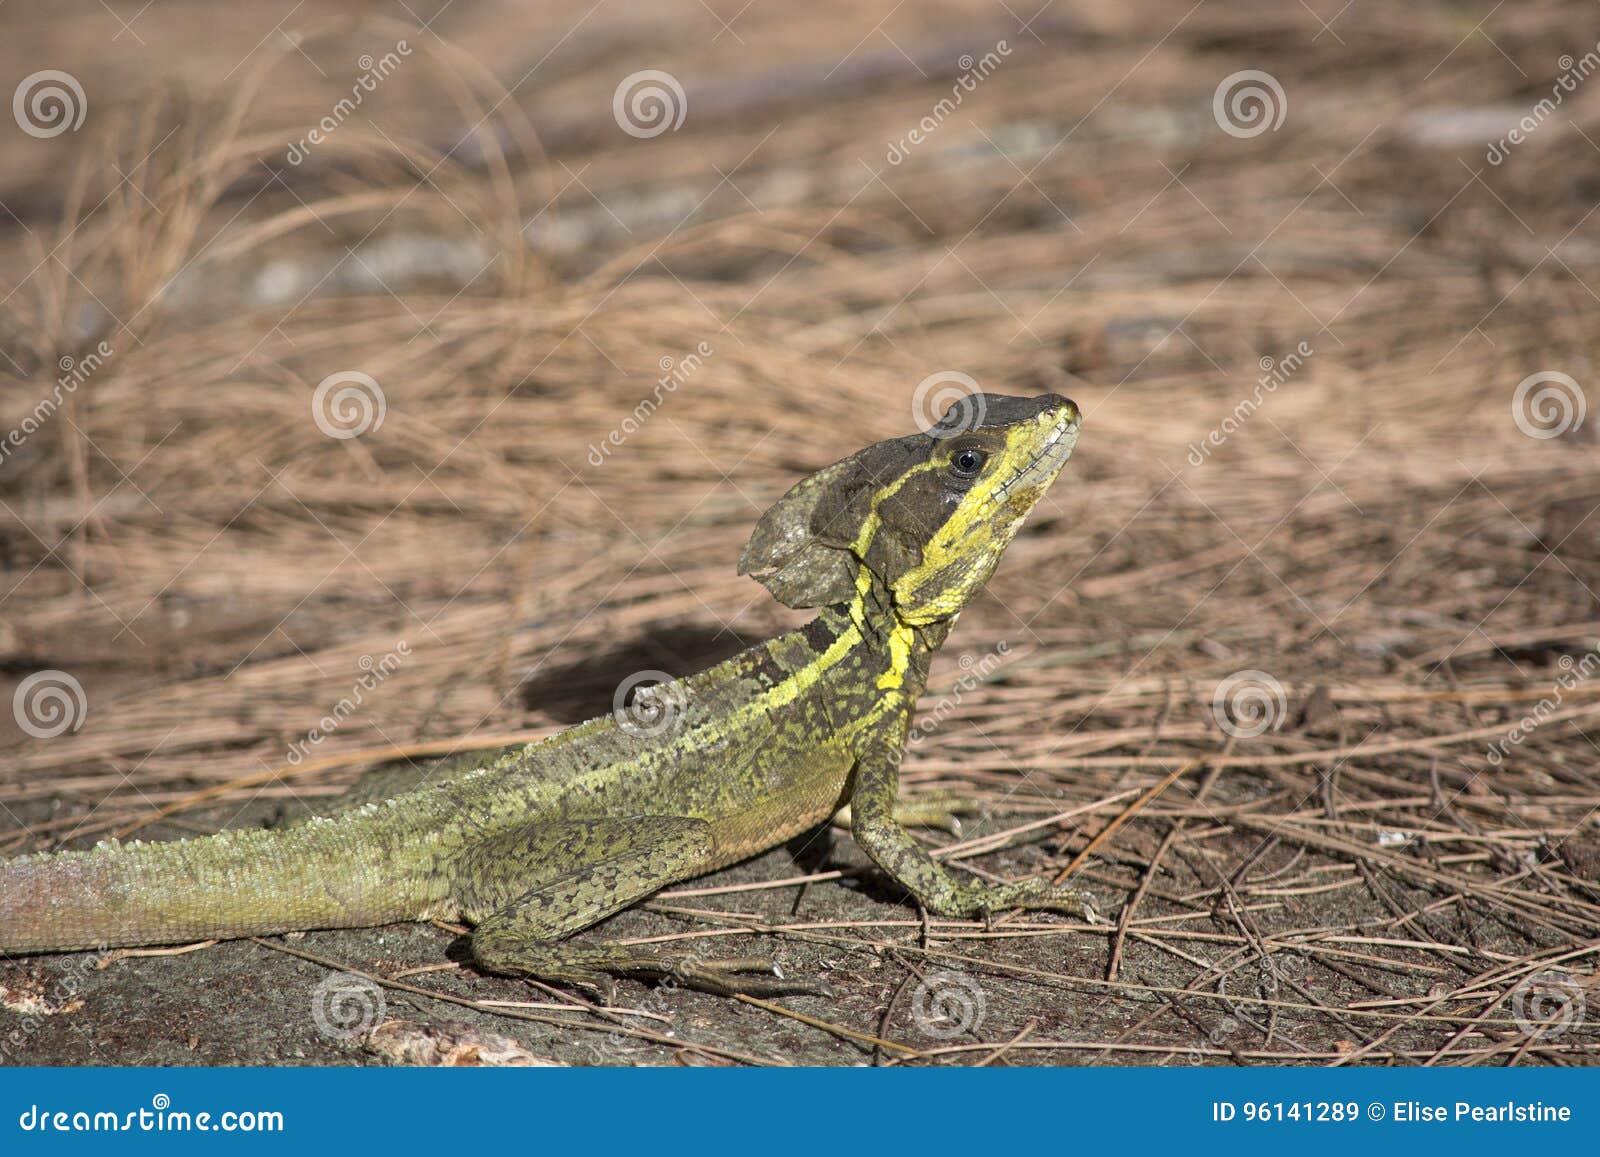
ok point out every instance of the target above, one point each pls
(966, 463)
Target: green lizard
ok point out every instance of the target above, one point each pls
(534, 843)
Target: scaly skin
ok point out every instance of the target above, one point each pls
(540, 841)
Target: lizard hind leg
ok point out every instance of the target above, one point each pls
(608, 865)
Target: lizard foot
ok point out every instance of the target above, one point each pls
(1030, 895)
(941, 810)
(746, 975)
(938, 809)
(593, 968)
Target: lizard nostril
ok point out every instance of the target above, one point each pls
(1054, 408)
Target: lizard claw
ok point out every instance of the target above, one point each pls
(593, 968)
(732, 977)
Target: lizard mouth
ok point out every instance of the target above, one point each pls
(1049, 456)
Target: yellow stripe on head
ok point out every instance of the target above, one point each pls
(1022, 458)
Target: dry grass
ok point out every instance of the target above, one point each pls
(1379, 537)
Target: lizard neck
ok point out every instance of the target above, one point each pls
(893, 656)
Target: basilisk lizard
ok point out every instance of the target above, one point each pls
(531, 844)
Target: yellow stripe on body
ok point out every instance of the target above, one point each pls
(787, 690)
(807, 677)
(899, 657)
(901, 635)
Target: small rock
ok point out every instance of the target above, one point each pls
(448, 1046)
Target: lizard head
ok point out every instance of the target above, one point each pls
(928, 516)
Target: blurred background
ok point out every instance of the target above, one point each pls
(386, 380)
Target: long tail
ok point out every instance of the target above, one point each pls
(325, 874)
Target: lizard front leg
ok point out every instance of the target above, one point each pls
(892, 848)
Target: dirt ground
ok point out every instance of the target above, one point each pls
(346, 431)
